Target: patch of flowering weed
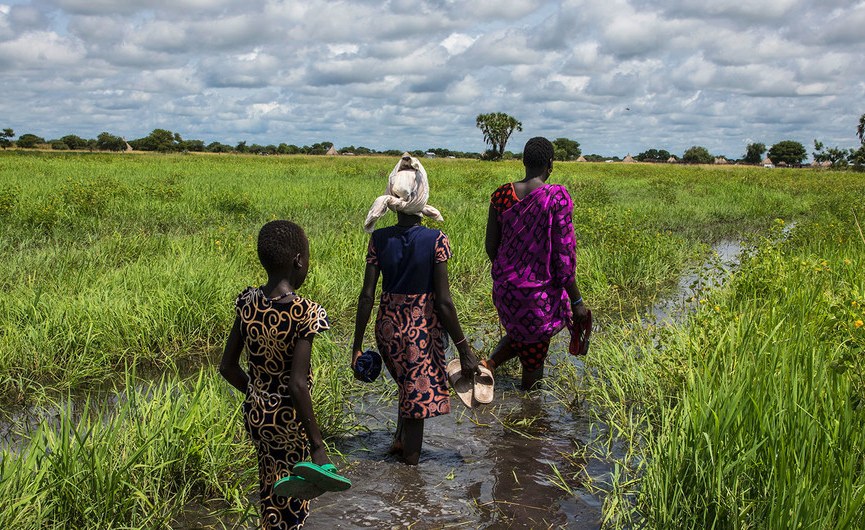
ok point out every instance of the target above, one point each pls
(9, 197)
(89, 195)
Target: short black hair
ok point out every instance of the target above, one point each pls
(278, 243)
(538, 152)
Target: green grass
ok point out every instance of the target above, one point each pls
(148, 454)
(136, 260)
(122, 264)
(752, 413)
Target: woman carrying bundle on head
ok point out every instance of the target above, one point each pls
(530, 241)
(416, 310)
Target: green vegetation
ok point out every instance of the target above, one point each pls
(29, 141)
(749, 414)
(697, 154)
(566, 149)
(6, 136)
(754, 153)
(789, 152)
(497, 128)
(654, 155)
(752, 414)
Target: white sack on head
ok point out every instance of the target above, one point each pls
(407, 192)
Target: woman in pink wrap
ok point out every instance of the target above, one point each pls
(530, 241)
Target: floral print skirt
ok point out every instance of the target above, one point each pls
(412, 343)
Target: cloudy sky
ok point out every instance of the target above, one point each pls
(619, 76)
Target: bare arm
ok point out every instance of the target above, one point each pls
(580, 310)
(364, 308)
(229, 366)
(572, 290)
(298, 386)
(447, 313)
(494, 234)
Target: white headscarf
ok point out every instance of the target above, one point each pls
(407, 192)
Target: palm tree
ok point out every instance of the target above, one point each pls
(497, 128)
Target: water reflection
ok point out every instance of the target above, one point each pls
(724, 258)
(484, 468)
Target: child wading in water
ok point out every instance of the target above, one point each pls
(277, 326)
(530, 241)
(416, 307)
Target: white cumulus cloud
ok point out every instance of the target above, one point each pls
(268, 71)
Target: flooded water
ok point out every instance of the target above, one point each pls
(515, 463)
(492, 467)
(18, 423)
(724, 257)
(488, 467)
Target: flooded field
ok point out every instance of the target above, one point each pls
(723, 258)
(512, 463)
(516, 463)
(520, 462)
(120, 265)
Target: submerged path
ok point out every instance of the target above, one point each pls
(492, 467)
(488, 467)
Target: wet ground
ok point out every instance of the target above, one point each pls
(516, 463)
(725, 257)
(512, 464)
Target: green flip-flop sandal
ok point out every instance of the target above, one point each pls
(296, 487)
(325, 476)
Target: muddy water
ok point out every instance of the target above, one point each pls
(489, 467)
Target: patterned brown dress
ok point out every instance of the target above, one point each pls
(410, 337)
(269, 330)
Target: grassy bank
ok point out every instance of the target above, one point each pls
(149, 454)
(117, 260)
(751, 414)
(121, 263)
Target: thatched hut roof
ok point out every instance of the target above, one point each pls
(581, 159)
(332, 151)
(629, 159)
(672, 160)
(721, 160)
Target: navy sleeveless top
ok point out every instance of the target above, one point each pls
(406, 257)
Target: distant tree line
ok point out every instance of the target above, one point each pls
(496, 127)
(793, 153)
(165, 141)
(839, 157)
